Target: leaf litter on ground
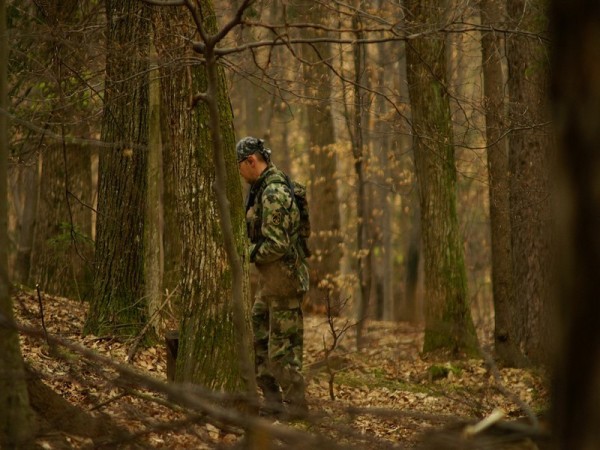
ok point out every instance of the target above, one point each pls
(386, 395)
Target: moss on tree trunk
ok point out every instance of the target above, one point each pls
(207, 346)
(118, 306)
(449, 325)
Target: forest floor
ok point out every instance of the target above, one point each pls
(387, 395)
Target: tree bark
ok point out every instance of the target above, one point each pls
(381, 170)
(16, 418)
(412, 310)
(529, 154)
(208, 348)
(506, 331)
(576, 95)
(154, 248)
(118, 306)
(357, 129)
(324, 208)
(448, 322)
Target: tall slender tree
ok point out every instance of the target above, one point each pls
(16, 418)
(382, 172)
(448, 322)
(325, 216)
(154, 220)
(530, 151)
(506, 329)
(357, 128)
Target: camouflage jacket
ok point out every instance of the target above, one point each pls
(273, 223)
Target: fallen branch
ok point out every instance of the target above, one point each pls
(511, 395)
(192, 398)
(496, 415)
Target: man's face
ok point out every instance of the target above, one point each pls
(247, 170)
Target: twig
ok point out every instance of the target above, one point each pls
(336, 335)
(496, 415)
(109, 401)
(37, 287)
(190, 397)
(138, 339)
(511, 395)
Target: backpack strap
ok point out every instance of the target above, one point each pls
(257, 189)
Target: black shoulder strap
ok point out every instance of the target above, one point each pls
(257, 189)
(290, 185)
(254, 190)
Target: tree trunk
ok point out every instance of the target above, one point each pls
(357, 130)
(154, 248)
(324, 208)
(576, 89)
(506, 331)
(209, 354)
(118, 306)
(449, 325)
(382, 163)
(27, 195)
(412, 310)
(529, 151)
(16, 418)
(410, 305)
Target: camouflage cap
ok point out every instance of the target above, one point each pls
(249, 145)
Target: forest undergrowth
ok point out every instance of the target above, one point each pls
(387, 395)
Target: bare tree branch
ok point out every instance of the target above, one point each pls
(237, 19)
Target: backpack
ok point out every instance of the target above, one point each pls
(298, 191)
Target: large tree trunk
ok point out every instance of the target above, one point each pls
(118, 306)
(529, 151)
(576, 88)
(448, 322)
(209, 354)
(16, 418)
(325, 216)
(506, 331)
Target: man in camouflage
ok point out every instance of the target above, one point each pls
(273, 221)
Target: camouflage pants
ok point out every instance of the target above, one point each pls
(278, 343)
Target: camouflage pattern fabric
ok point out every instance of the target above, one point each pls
(273, 224)
(250, 145)
(275, 220)
(278, 344)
